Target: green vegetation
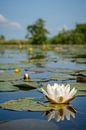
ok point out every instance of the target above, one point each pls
(38, 34)
(75, 36)
(2, 37)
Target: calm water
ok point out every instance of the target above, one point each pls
(42, 63)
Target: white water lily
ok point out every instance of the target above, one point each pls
(59, 93)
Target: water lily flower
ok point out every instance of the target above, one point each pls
(30, 50)
(59, 93)
(59, 114)
(26, 76)
(17, 70)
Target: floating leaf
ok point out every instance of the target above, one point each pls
(9, 77)
(63, 71)
(25, 104)
(60, 76)
(81, 78)
(81, 87)
(26, 85)
(7, 86)
(8, 66)
(81, 60)
(35, 80)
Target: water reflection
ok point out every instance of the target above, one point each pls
(60, 112)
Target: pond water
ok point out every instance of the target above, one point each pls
(44, 64)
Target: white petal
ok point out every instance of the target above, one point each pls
(51, 115)
(68, 116)
(49, 90)
(73, 114)
(72, 93)
(58, 118)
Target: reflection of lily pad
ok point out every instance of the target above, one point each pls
(25, 104)
(28, 124)
(7, 86)
(9, 77)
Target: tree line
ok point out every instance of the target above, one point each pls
(37, 33)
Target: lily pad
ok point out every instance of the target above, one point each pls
(25, 104)
(81, 87)
(10, 77)
(35, 80)
(81, 60)
(8, 66)
(60, 76)
(63, 71)
(26, 85)
(7, 86)
(81, 78)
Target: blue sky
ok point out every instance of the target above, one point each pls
(15, 15)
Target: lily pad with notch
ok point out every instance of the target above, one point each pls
(25, 104)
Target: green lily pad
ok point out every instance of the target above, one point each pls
(35, 80)
(81, 60)
(25, 104)
(63, 71)
(60, 77)
(81, 78)
(81, 87)
(8, 66)
(10, 77)
(7, 86)
(26, 85)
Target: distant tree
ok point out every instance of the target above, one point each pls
(2, 37)
(37, 32)
(81, 28)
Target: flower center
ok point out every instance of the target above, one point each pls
(60, 99)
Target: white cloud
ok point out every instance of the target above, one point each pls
(2, 19)
(8, 22)
(15, 25)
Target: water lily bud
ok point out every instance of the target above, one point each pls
(26, 76)
(17, 70)
(30, 50)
